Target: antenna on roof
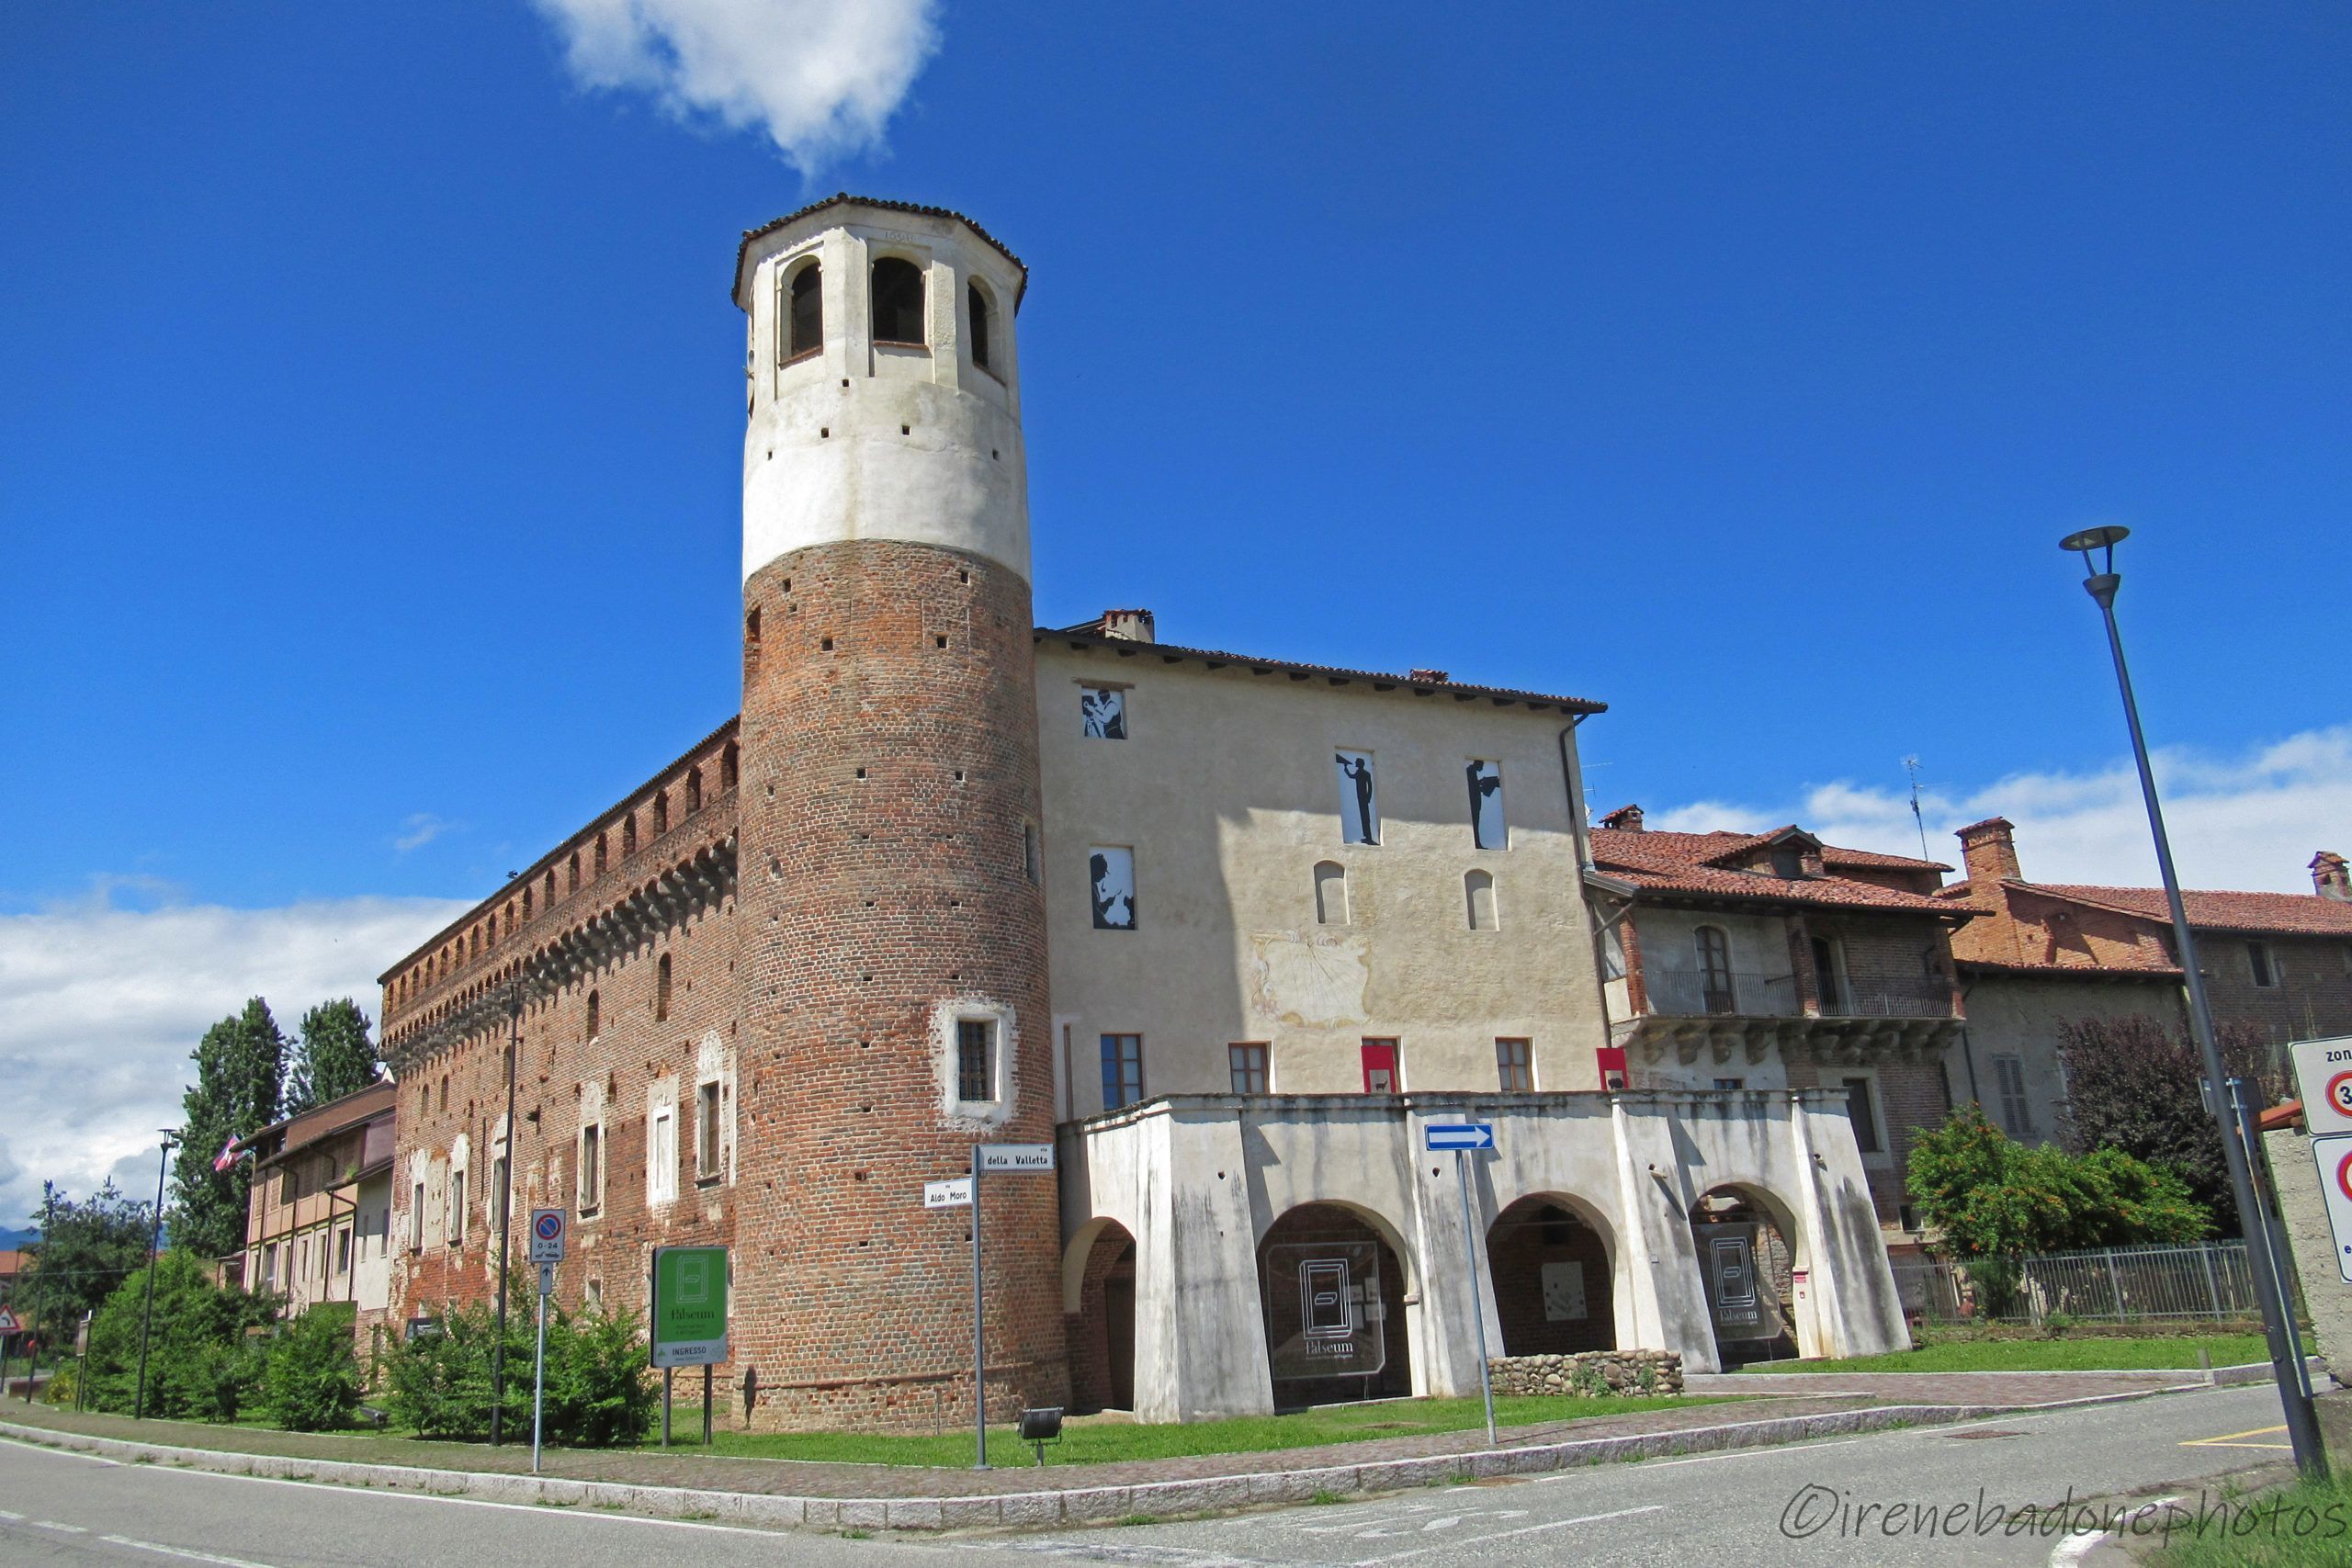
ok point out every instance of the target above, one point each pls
(1911, 766)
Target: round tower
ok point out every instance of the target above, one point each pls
(893, 969)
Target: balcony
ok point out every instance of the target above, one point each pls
(1738, 993)
(1891, 999)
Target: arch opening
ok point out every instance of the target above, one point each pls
(1748, 1259)
(897, 303)
(805, 313)
(1334, 1292)
(1553, 1266)
(1098, 1325)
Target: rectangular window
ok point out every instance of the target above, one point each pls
(662, 1156)
(457, 1206)
(2017, 1113)
(1102, 713)
(269, 1257)
(1029, 851)
(1121, 1070)
(498, 1193)
(1487, 828)
(976, 1059)
(706, 1132)
(343, 1250)
(416, 1219)
(1380, 1074)
(1248, 1063)
(1729, 1085)
(1514, 1067)
(1828, 969)
(1859, 1112)
(2259, 960)
(1111, 878)
(591, 1168)
(1359, 807)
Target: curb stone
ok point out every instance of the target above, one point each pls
(1076, 1505)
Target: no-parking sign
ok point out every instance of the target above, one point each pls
(547, 1236)
(2324, 1075)
(2334, 1152)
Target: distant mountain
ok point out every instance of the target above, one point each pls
(11, 1240)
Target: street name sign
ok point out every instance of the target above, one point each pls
(689, 1316)
(547, 1236)
(2332, 1151)
(1017, 1156)
(1460, 1134)
(955, 1195)
(2324, 1075)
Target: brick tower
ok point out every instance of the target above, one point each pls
(894, 956)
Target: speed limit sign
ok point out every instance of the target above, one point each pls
(2323, 1074)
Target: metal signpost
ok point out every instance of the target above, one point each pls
(546, 1251)
(964, 1190)
(688, 1321)
(1461, 1137)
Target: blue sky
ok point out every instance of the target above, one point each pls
(373, 400)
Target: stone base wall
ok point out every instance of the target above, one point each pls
(1595, 1373)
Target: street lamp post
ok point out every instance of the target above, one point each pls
(2302, 1427)
(505, 1214)
(155, 1260)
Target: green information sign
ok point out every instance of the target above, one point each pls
(689, 1315)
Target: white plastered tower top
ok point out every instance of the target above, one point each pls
(891, 416)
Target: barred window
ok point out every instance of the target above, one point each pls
(975, 1058)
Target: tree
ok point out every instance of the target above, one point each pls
(87, 1249)
(336, 1057)
(239, 1077)
(2133, 1086)
(1991, 1197)
(204, 1359)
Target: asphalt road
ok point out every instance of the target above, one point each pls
(60, 1508)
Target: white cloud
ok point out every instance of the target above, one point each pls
(418, 830)
(2249, 821)
(102, 1005)
(819, 78)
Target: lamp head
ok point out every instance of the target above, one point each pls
(2103, 580)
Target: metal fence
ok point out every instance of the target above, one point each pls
(2119, 1284)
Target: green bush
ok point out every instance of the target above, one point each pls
(1991, 1197)
(599, 1392)
(204, 1360)
(59, 1388)
(312, 1381)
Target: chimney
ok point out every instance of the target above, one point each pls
(1438, 676)
(1625, 819)
(1989, 850)
(1128, 626)
(2331, 877)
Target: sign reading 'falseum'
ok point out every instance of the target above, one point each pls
(689, 1318)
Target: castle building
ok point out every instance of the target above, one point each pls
(1228, 931)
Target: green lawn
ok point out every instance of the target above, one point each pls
(2046, 1355)
(2306, 1525)
(1097, 1439)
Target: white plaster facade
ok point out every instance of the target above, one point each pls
(1198, 1181)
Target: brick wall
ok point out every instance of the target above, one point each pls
(889, 767)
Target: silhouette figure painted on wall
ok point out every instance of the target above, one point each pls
(1487, 826)
(1362, 827)
(1105, 712)
(1113, 874)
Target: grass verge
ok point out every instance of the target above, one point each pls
(2046, 1355)
(2308, 1525)
(1095, 1440)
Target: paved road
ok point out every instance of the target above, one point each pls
(72, 1510)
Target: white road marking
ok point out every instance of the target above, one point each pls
(1502, 1535)
(12, 1518)
(2072, 1550)
(181, 1553)
(53, 1525)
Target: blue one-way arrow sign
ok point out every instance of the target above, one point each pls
(1461, 1136)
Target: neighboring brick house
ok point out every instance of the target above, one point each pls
(317, 1219)
(2039, 955)
(1764, 961)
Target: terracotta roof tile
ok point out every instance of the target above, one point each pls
(1679, 862)
(841, 197)
(1078, 637)
(2285, 914)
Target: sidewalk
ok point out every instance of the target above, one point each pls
(684, 1483)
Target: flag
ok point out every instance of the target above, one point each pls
(227, 1156)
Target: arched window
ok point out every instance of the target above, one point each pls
(728, 761)
(898, 302)
(661, 812)
(976, 304)
(595, 1015)
(693, 791)
(1478, 894)
(600, 854)
(550, 885)
(571, 877)
(1714, 970)
(527, 903)
(805, 328)
(629, 834)
(662, 989)
(752, 643)
(1330, 893)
